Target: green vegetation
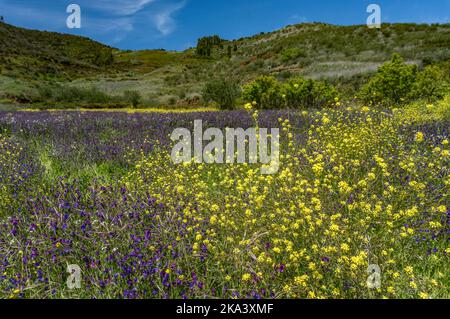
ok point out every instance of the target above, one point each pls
(133, 97)
(355, 184)
(206, 45)
(392, 83)
(72, 94)
(396, 82)
(302, 93)
(298, 93)
(430, 84)
(223, 92)
(345, 57)
(31, 55)
(265, 92)
(58, 96)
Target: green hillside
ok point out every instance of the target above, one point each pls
(343, 55)
(32, 54)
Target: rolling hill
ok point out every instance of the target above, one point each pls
(343, 55)
(31, 54)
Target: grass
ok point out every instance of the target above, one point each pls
(146, 61)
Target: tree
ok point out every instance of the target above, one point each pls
(265, 91)
(133, 97)
(223, 92)
(2, 19)
(206, 44)
(430, 84)
(229, 51)
(297, 93)
(393, 82)
(307, 93)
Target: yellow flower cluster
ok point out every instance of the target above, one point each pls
(341, 201)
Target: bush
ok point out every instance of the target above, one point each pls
(324, 95)
(430, 84)
(265, 91)
(298, 92)
(268, 93)
(303, 93)
(67, 94)
(172, 101)
(292, 54)
(103, 58)
(392, 83)
(223, 92)
(133, 98)
(94, 95)
(45, 92)
(70, 94)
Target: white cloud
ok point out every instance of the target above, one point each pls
(164, 21)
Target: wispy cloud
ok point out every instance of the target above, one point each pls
(22, 13)
(164, 20)
(119, 7)
(110, 21)
(115, 30)
(159, 12)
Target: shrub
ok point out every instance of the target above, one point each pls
(298, 92)
(223, 92)
(292, 54)
(103, 58)
(71, 94)
(265, 91)
(324, 94)
(94, 95)
(268, 93)
(392, 83)
(133, 97)
(172, 101)
(67, 94)
(430, 84)
(181, 94)
(45, 92)
(303, 93)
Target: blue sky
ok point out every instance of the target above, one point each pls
(176, 24)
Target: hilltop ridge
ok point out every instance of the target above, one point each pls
(343, 55)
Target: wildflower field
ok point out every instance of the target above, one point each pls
(356, 187)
